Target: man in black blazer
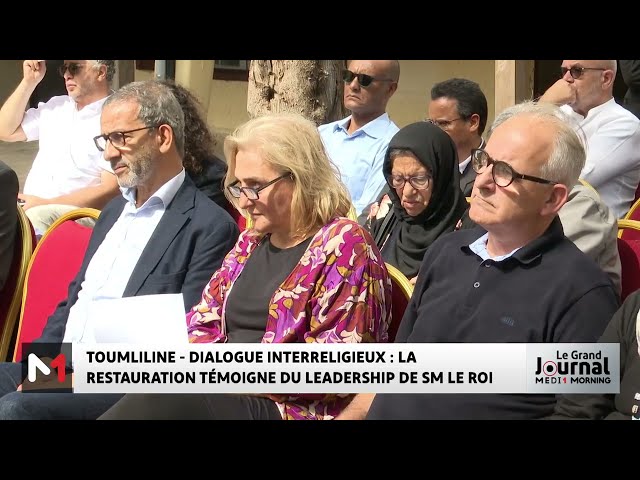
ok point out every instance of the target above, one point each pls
(8, 219)
(161, 236)
(459, 107)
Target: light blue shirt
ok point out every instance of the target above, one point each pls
(111, 266)
(479, 247)
(359, 156)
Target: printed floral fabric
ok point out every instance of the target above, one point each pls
(339, 292)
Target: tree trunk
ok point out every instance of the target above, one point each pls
(312, 88)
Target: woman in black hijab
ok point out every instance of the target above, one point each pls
(421, 168)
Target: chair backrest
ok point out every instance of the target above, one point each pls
(400, 296)
(55, 262)
(629, 251)
(634, 211)
(11, 295)
(629, 229)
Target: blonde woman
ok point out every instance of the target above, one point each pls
(303, 273)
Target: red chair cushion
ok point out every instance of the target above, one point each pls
(632, 233)
(56, 263)
(629, 250)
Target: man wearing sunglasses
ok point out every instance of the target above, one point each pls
(68, 171)
(357, 143)
(585, 93)
(514, 279)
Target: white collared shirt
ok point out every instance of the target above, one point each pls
(67, 158)
(111, 266)
(613, 153)
(479, 247)
(463, 165)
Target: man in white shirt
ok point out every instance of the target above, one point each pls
(161, 236)
(68, 171)
(585, 92)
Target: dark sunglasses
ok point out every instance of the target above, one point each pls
(363, 79)
(73, 68)
(577, 72)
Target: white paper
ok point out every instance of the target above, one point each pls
(147, 319)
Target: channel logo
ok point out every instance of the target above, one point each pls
(44, 368)
(574, 368)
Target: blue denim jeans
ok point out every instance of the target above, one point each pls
(16, 405)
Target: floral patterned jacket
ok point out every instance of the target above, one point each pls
(339, 292)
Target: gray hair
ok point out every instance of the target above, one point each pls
(158, 105)
(111, 68)
(568, 154)
(612, 65)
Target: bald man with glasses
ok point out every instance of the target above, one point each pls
(585, 93)
(357, 143)
(67, 172)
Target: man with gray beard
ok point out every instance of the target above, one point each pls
(161, 236)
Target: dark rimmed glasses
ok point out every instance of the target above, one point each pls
(577, 72)
(73, 68)
(419, 182)
(363, 79)
(117, 139)
(503, 174)
(253, 193)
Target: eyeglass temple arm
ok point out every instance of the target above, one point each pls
(533, 179)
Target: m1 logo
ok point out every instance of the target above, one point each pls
(34, 364)
(45, 368)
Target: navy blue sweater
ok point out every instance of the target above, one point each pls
(548, 291)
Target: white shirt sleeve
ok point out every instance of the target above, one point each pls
(613, 150)
(31, 122)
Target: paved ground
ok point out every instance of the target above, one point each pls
(19, 156)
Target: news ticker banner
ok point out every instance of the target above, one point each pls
(339, 368)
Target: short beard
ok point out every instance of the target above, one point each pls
(140, 171)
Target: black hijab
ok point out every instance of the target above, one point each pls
(404, 238)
